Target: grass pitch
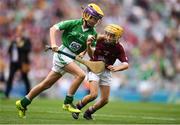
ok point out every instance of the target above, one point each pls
(45, 111)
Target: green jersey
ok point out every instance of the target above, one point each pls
(74, 36)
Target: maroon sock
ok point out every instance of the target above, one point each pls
(90, 110)
(80, 105)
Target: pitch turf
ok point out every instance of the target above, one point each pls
(45, 111)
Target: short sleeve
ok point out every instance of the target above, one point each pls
(122, 55)
(64, 24)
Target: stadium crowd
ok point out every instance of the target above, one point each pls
(151, 38)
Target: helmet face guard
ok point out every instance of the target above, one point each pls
(92, 10)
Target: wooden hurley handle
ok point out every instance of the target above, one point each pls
(79, 59)
(94, 66)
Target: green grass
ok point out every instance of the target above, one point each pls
(45, 111)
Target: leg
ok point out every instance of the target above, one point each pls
(91, 96)
(13, 69)
(45, 84)
(79, 74)
(26, 81)
(88, 98)
(105, 92)
(93, 79)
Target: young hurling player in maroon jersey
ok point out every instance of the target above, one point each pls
(108, 49)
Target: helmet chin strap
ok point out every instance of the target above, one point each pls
(110, 42)
(86, 23)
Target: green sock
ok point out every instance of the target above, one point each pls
(25, 102)
(68, 99)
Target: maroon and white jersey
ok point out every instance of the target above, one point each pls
(109, 53)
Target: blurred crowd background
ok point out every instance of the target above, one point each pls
(151, 41)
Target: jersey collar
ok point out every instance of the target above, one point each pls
(84, 29)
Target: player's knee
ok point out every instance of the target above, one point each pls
(93, 96)
(104, 100)
(82, 75)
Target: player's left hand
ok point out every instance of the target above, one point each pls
(90, 39)
(112, 68)
(81, 55)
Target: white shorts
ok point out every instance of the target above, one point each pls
(60, 60)
(104, 78)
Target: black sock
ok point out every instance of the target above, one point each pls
(68, 99)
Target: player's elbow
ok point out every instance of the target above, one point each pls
(104, 100)
(53, 29)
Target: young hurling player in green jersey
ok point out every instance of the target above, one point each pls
(74, 37)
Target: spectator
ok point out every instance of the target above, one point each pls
(19, 51)
(2, 78)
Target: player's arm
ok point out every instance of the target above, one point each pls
(90, 49)
(53, 32)
(121, 67)
(63, 25)
(124, 61)
(82, 54)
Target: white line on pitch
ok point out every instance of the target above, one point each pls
(125, 116)
(143, 117)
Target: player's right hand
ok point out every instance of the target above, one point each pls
(55, 48)
(90, 39)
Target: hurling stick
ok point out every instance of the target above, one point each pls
(94, 66)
